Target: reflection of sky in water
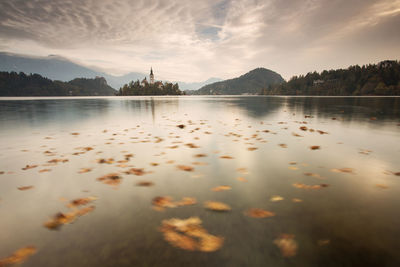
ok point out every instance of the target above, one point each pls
(358, 218)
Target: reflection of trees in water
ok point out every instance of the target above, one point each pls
(48, 110)
(349, 108)
(256, 106)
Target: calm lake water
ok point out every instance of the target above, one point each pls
(353, 219)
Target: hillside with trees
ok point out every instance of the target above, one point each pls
(158, 88)
(21, 84)
(374, 79)
(249, 83)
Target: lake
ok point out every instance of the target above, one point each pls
(307, 181)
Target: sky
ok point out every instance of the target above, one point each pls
(193, 40)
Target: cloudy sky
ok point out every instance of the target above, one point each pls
(192, 40)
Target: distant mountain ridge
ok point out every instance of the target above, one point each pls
(59, 68)
(20, 84)
(250, 83)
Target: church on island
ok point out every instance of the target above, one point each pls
(149, 87)
(151, 76)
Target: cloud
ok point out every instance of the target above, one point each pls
(192, 40)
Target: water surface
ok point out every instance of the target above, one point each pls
(354, 221)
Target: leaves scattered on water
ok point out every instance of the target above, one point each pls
(305, 186)
(221, 188)
(18, 256)
(287, 245)
(188, 234)
(216, 206)
(258, 213)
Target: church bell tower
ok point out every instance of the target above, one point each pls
(151, 76)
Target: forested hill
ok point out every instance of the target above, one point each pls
(20, 84)
(376, 79)
(249, 83)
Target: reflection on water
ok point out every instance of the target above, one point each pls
(334, 205)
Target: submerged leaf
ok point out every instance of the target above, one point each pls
(216, 206)
(259, 213)
(188, 234)
(18, 256)
(276, 198)
(287, 245)
(305, 186)
(221, 188)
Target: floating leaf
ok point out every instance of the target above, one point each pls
(293, 168)
(144, 183)
(252, 148)
(136, 171)
(226, 157)
(216, 206)
(23, 188)
(287, 245)
(44, 170)
(259, 213)
(27, 167)
(323, 242)
(221, 188)
(74, 133)
(343, 170)
(185, 168)
(303, 128)
(18, 256)
(110, 179)
(297, 200)
(282, 145)
(200, 155)
(107, 161)
(242, 170)
(276, 198)
(181, 126)
(305, 186)
(382, 186)
(84, 170)
(188, 234)
(314, 147)
(191, 145)
(80, 202)
(64, 218)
